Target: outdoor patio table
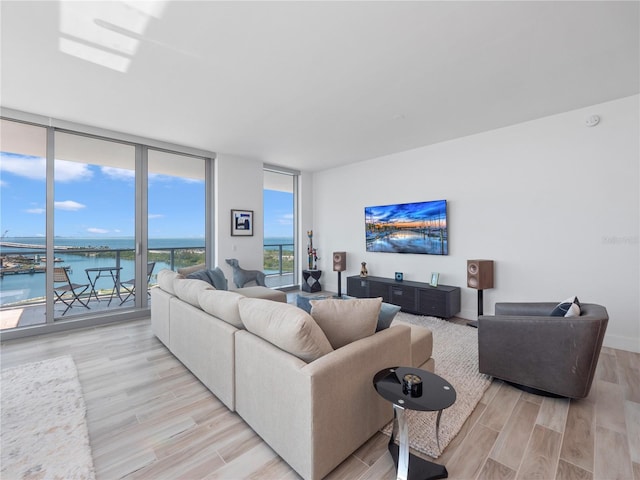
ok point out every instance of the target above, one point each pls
(98, 271)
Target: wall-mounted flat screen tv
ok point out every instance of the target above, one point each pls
(408, 228)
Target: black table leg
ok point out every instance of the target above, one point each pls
(408, 466)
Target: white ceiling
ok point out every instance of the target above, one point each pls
(312, 85)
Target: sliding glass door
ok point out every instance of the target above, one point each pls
(279, 205)
(88, 221)
(176, 210)
(94, 223)
(23, 226)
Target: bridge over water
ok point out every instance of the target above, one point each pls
(30, 246)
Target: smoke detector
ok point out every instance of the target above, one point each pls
(592, 121)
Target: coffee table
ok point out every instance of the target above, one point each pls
(436, 395)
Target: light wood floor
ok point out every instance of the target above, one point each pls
(149, 418)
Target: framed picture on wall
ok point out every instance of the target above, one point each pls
(242, 223)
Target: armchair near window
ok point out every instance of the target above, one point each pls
(522, 344)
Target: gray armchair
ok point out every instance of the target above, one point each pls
(523, 345)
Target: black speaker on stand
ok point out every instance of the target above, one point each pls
(339, 265)
(480, 277)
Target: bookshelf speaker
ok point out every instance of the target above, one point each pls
(480, 274)
(339, 261)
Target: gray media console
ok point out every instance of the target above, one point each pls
(414, 297)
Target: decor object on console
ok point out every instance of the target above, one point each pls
(242, 276)
(242, 223)
(408, 228)
(399, 276)
(434, 279)
(363, 269)
(526, 346)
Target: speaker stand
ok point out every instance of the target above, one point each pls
(339, 284)
(474, 323)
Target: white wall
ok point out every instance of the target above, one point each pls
(239, 186)
(553, 202)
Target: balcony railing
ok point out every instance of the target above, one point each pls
(28, 263)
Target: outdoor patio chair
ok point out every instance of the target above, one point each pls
(130, 285)
(66, 291)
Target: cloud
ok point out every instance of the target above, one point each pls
(286, 219)
(35, 168)
(153, 216)
(118, 173)
(71, 171)
(3, 184)
(69, 205)
(97, 230)
(38, 211)
(23, 165)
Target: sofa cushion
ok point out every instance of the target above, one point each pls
(285, 326)
(345, 321)
(569, 308)
(165, 280)
(221, 304)
(214, 277)
(187, 289)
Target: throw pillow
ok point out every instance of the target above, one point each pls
(166, 278)
(388, 312)
(345, 321)
(188, 289)
(569, 308)
(214, 277)
(286, 326)
(218, 279)
(221, 304)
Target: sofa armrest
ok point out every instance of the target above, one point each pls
(315, 415)
(540, 309)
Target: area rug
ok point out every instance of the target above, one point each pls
(43, 427)
(455, 351)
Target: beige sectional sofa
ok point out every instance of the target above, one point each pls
(272, 363)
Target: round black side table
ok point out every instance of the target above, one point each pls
(434, 394)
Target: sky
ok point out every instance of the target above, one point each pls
(98, 201)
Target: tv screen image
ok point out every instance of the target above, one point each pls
(408, 228)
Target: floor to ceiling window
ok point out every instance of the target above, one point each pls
(23, 207)
(94, 222)
(88, 221)
(176, 210)
(279, 227)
